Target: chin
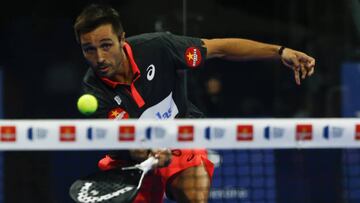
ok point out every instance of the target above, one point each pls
(101, 74)
(109, 75)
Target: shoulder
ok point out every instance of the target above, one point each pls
(147, 38)
(157, 37)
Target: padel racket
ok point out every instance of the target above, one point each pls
(112, 186)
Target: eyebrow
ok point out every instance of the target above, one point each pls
(103, 40)
(86, 44)
(106, 39)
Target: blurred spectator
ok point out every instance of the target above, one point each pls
(214, 98)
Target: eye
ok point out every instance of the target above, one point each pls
(106, 46)
(89, 50)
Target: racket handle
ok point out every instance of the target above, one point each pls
(148, 164)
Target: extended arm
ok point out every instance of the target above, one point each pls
(243, 49)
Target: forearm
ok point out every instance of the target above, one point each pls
(241, 49)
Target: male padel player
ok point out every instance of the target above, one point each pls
(137, 77)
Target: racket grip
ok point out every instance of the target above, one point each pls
(148, 164)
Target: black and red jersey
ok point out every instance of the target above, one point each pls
(157, 91)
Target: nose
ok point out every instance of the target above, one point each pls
(100, 57)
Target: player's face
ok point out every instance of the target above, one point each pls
(102, 49)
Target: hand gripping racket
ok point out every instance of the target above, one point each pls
(112, 186)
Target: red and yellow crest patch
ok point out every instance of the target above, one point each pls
(193, 57)
(118, 113)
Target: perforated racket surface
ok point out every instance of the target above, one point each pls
(112, 186)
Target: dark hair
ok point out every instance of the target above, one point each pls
(95, 15)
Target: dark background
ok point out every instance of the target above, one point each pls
(43, 69)
(43, 64)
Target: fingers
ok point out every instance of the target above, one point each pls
(303, 71)
(311, 66)
(312, 70)
(311, 62)
(308, 62)
(297, 77)
(163, 155)
(297, 67)
(302, 65)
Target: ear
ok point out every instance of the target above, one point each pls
(122, 39)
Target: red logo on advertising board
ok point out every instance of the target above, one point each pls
(244, 133)
(118, 113)
(186, 133)
(304, 132)
(67, 133)
(127, 133)
(357, 132)
(193, 57)
(8, 134)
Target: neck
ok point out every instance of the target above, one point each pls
(125, 74)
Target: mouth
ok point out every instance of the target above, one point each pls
(104, 69)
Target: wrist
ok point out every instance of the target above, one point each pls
(281, 50)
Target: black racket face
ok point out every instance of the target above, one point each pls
(114, 186)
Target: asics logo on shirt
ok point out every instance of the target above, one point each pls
(150, 72)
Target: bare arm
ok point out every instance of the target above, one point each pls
(243, 49)
(240, 49)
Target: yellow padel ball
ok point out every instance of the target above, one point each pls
(87, 104)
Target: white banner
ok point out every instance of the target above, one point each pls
(184, 133)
